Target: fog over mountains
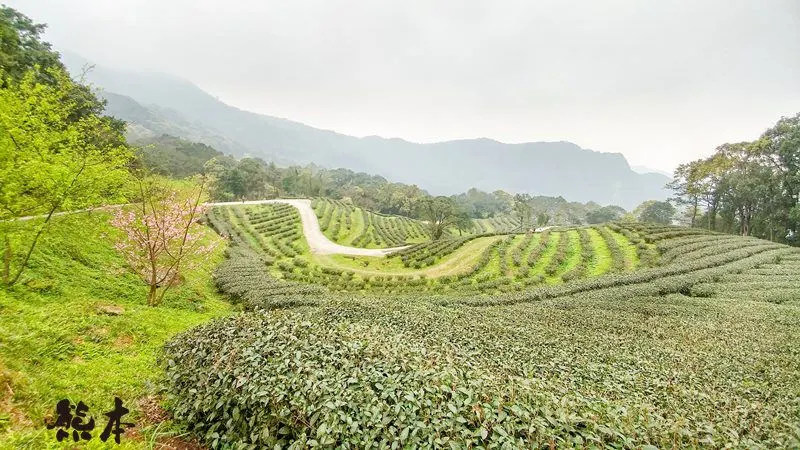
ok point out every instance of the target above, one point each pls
(155, 104)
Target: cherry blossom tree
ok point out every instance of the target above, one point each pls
(161, 235)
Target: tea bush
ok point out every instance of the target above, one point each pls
(666, 372)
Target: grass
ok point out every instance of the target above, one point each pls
(631, 257)
(55, 342)
(453, 264)
(602, 255)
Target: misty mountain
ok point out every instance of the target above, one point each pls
(645, 169)
(157, 103)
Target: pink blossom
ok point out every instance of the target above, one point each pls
(161, 240)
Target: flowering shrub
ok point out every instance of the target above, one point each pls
(161, 238)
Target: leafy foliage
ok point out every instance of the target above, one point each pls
(666, 372)
(21, 47)
(54, 155)
(655, 212)
(747, 188)
(169, 156)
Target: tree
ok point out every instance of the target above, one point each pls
(655, 212)
(254, 179)
(604, 214)
(220, 171)
(749, 188)
(522, 208)
(463, 222)
(686, 184)
(778, 148)
(439, 213)
(160, 237)
(22, 49)
(542, 219)
(174, 157)
(54, 155)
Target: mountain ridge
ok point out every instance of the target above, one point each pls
(555, 168)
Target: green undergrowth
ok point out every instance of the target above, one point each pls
(59, 337)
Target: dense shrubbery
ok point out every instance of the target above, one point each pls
(776, 282)
(674, 278)
(245, 278)
(386, 372)
(648, 255)
(389, 374)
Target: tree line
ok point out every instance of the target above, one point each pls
(749, 188)
(253, 178)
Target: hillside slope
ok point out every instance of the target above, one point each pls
(678, 355)
(544, 168)
(77, 326)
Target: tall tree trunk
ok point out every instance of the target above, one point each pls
(712, 217)
(748, 218)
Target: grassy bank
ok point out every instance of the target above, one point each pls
(77, 327)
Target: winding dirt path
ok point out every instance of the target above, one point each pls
(317, 241)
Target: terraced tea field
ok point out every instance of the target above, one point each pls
(624, 336)
(503, 224)
(353, 226)
(625, 259)
(475, 263)
(350, 225)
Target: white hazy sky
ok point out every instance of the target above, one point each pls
(661, 82)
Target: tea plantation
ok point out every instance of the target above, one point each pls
(480, 263)
(353, 226)
(624, 335)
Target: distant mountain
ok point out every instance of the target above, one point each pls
(645, 169)
(157, 103)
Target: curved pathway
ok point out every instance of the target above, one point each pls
(317, 241)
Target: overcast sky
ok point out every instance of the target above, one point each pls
(661, 82)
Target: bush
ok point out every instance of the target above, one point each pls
(388, 374)
(244, 277)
